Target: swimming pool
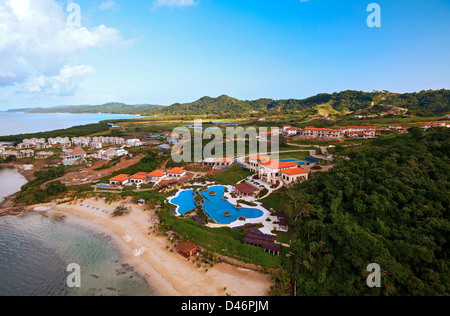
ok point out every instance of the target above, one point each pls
(215, 207)
(184, 201)
(103, 185)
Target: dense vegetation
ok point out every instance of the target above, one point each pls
(388, 205)
(34, 193)
(424, 103)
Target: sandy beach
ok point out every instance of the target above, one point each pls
(168, 272)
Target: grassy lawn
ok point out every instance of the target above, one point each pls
(232, 175)
(223, 241)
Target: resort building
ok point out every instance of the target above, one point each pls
(359, 131)
(283, 223)
(2, 148)
(119, 180)
(156, 176)
(217, 163)
(34, 141)
(398, 128)
(44, 154)
(24, 145)
(64, 141)
(247, 189)
(81, 141)
(96, 145)
(111, 153)
(295, 175)
(139, 178)
(255, 160)
(447, 117)
(109, 140)
(267, 242)
(436, 124)
(133, 142)
(291, 131)
(187, 249)
(176, 173)
(318, 133)
(8, 153)
(270, 171)
(76, 153)
(27, 153)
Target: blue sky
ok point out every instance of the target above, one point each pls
(168, 51)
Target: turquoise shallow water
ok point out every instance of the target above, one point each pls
(35, 251)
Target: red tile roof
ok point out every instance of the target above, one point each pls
(140, 175)
(294, 172)
(176, 171)
(259, 157)
(120, 177)
(245, 188)
(224, 160)
(157, 174)
(274, 164)
(311, 128)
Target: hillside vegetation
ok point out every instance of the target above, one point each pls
(424, 104)
(388, 205)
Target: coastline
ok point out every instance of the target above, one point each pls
(8, 203)
(167, 272)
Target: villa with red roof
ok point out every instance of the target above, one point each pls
(270, 171)
(139, 178)
(295, 175)
(121, 179)
(447, 117)
(176, 173)
(436, 124)
(217, 162)
(255, 160)
(317, 133)
(156, 176)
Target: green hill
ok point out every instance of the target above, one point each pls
(423, 104)
(388, 205)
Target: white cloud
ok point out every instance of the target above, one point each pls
(173, 3)
(67, 82)
(109, 5)
(36, 45)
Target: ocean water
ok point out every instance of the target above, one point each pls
(10, 182)
(13, 123)
(35, 251)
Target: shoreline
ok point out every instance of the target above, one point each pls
(8, 201)
(167, 272)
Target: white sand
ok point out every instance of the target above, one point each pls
(168, 272)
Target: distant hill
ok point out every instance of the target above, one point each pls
(424, 103)
(115, 108)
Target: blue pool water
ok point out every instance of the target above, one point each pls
(185, 200)
(215, 207)
(103, 185)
